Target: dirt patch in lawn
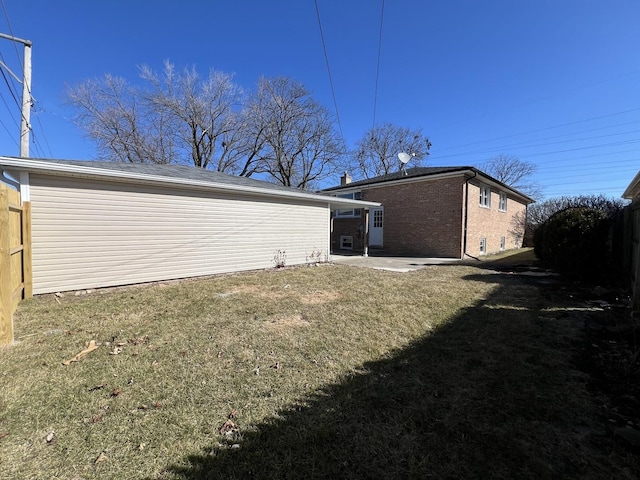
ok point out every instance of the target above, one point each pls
(320, 297)
(285, 322)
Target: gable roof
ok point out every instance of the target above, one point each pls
(430, 173)
(171, 175)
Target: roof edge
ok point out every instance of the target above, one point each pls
(462, 170)
(633, 190)
(65, 169)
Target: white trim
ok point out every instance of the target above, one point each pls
(633, 190)
(52, 168)
(25, 189)
(473, 174)
(502, 195)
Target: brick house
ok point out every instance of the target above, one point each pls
(430, 211)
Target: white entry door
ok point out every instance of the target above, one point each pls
(376, 223)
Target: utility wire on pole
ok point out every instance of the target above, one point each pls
(25, 126)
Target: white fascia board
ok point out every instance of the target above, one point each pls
(82, 171)
(633, 190)
(473, 174)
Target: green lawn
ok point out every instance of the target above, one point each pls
(310, 372)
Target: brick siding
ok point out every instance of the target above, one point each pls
(492, 224)
(426, 218)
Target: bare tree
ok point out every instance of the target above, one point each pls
(377, 152)
(513, 172)
(293, 136)
(174, 117)
(124, 129)
(201, 109)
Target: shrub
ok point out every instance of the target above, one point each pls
(575, 242)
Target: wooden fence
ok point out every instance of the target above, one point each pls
(633, 235)
(15, 257)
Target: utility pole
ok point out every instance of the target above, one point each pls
(25, 125)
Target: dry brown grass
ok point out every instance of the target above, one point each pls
(324, 372)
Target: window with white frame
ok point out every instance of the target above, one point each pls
(483, 246)
(485, 196)
(354, 212)
(502, 206)
(377, 219)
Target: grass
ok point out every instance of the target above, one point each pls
(323, 372)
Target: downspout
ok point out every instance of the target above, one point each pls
(9, 180)
(466, 216)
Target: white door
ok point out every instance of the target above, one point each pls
(376, 219)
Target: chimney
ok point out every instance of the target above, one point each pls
(345, 179)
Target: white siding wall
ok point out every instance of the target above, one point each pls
(89, 234)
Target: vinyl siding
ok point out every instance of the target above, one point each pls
(89, 234)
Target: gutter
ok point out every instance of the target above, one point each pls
(466, 216)
(52, 168)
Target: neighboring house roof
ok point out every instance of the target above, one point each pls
(633, 190)
(429, 173)
(174, 175)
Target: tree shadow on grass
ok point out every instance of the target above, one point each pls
(490, 394)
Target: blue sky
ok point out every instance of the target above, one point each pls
(553, 82)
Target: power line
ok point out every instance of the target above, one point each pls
(543, 129)
(6, 15)
(375, 94)
(326, 59)
(46, 141)
(493, 150)
(10, 134)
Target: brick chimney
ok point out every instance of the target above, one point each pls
(345, 179)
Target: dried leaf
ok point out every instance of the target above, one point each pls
(3, 435)
(91, 346)
(115, 350)
(96, 419)
(228, 427)
(101, 458)
(233, 414)
(51, 438)
(116, 392)
(157, 405)
(141, 446)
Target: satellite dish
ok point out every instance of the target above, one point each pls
(404, 157)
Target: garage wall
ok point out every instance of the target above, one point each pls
(89, 234)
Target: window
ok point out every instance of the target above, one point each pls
(346, 242)
(377, 219)
(503, 202)
(351, 212)
(485, 196)
(483, 246)
(503, 243)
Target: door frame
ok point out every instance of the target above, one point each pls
(372, 215)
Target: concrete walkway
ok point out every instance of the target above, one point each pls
(393, 264)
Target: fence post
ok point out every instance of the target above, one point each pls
(27, 273)
(6, 303)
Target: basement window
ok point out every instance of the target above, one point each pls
(346, 242)
(503, 243)
(483, 246)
